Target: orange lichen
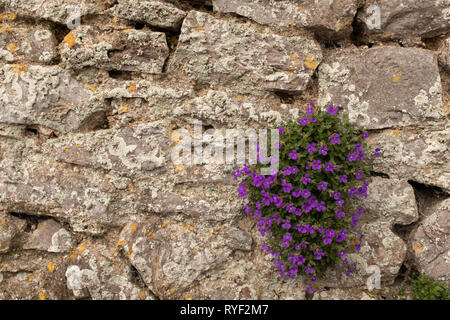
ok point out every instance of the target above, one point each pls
(195, 250)
(418, 248)
(3, 221)
(179, 168)
(300, 8)
(51, 266)
(426, 170)
(143, 294)
(198, 27)
(70, 39)
(12, 47)
(165, 224)
(121, 243)
(132, 87)
(396, 132)
(19, 68)
(150, 235)
(130, 250)
(90, 86)
(310, 63)
(398, 75)
(133, 227)
(293, 57)
(42, 296)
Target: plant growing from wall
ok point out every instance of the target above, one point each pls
(427, 288)
(304, 209)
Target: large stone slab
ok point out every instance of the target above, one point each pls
(170, 255)
(10, 227)
(126, 50)
(444, 54)
(431, 242)
(384, 87)
(419, 155)
(35, 44)
(216, 52)
(50, 236)
(329, 18)
(153, 12)
(47, 96)
(142, 147)
(399, 19)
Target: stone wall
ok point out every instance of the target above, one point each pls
(91, 205)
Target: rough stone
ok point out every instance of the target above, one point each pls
(212, 51)
(35, 45)
(154, 12)
(328, 18)
(10, 227)
(340, 294)
(431, 242)
(50, 236)
(47, 96)
(170, 256)
(418, 155)
(125, 50)
(444, 54)
(384, 87)
(398, 19)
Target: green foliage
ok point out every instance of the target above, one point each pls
(427, 288)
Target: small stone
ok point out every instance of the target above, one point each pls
(50, 236)
(444, 54)
(10, 227)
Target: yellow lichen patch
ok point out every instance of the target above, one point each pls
(300, 8)
(191, 228)
(124, 109)
(418, 248)
(70, 39)
(115, 20)
(42, 296)
(127, 30)
(6, 29)
(398, 75)
(143, 294)
(310, 63)
(179, 168)
(133, 227)
(3, 221)
(121, 243)
(195, 250)
(130, 250)
(19, 68)
(12, 47)
(239, 97)
(291, 23)
(90, 86)
(289, 70)
(51, 266)
(144, 231)
(150, 235)
(426, 170)
(188, 298)
(185, 225)
(293, 57)
(12, 16)
(30, 277)
(396, 132)
(132, 87)
(165, 224)
(198, 27)
(78, 251)
(209, 233)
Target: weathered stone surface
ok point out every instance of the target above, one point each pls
(170, 255)
(57, 11)
(431, 242)
(47, 96)
(10, 227)
(444, 54)
(340, 294)
(419, 155)
(399, 19)
(153, 12)
(32, 44)
(49, 189)
(50, 236)
(126, 50)
(212, 52)
(384, 87)
(389, 202)
(141, 147)
(331, 18)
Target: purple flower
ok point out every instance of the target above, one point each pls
(306, 179)
(343, 178)
(342, 234)
(319, 254)
(322, 186)
(377, 152)
(287, 187)
(359, 174)
(310, 289)
(294, 155)
(300, 260)
(316, 165)
(323, 150)
(305, 193)
(351, 157)
(296, 193)
(297, 246)
(342, 253)
(286, 224)
(321, 206)
(242, 190)
(354, 221)
(280, 130)
(336, 195)
(310, 110)
(340, 214)
(329, 167)
(277, 200)
(311, 147)
(312, 120)
(332, 109)
(339, 202)
(309, 270)
(304, 121)
(334, 138)
(365, 135)
(247, 209)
